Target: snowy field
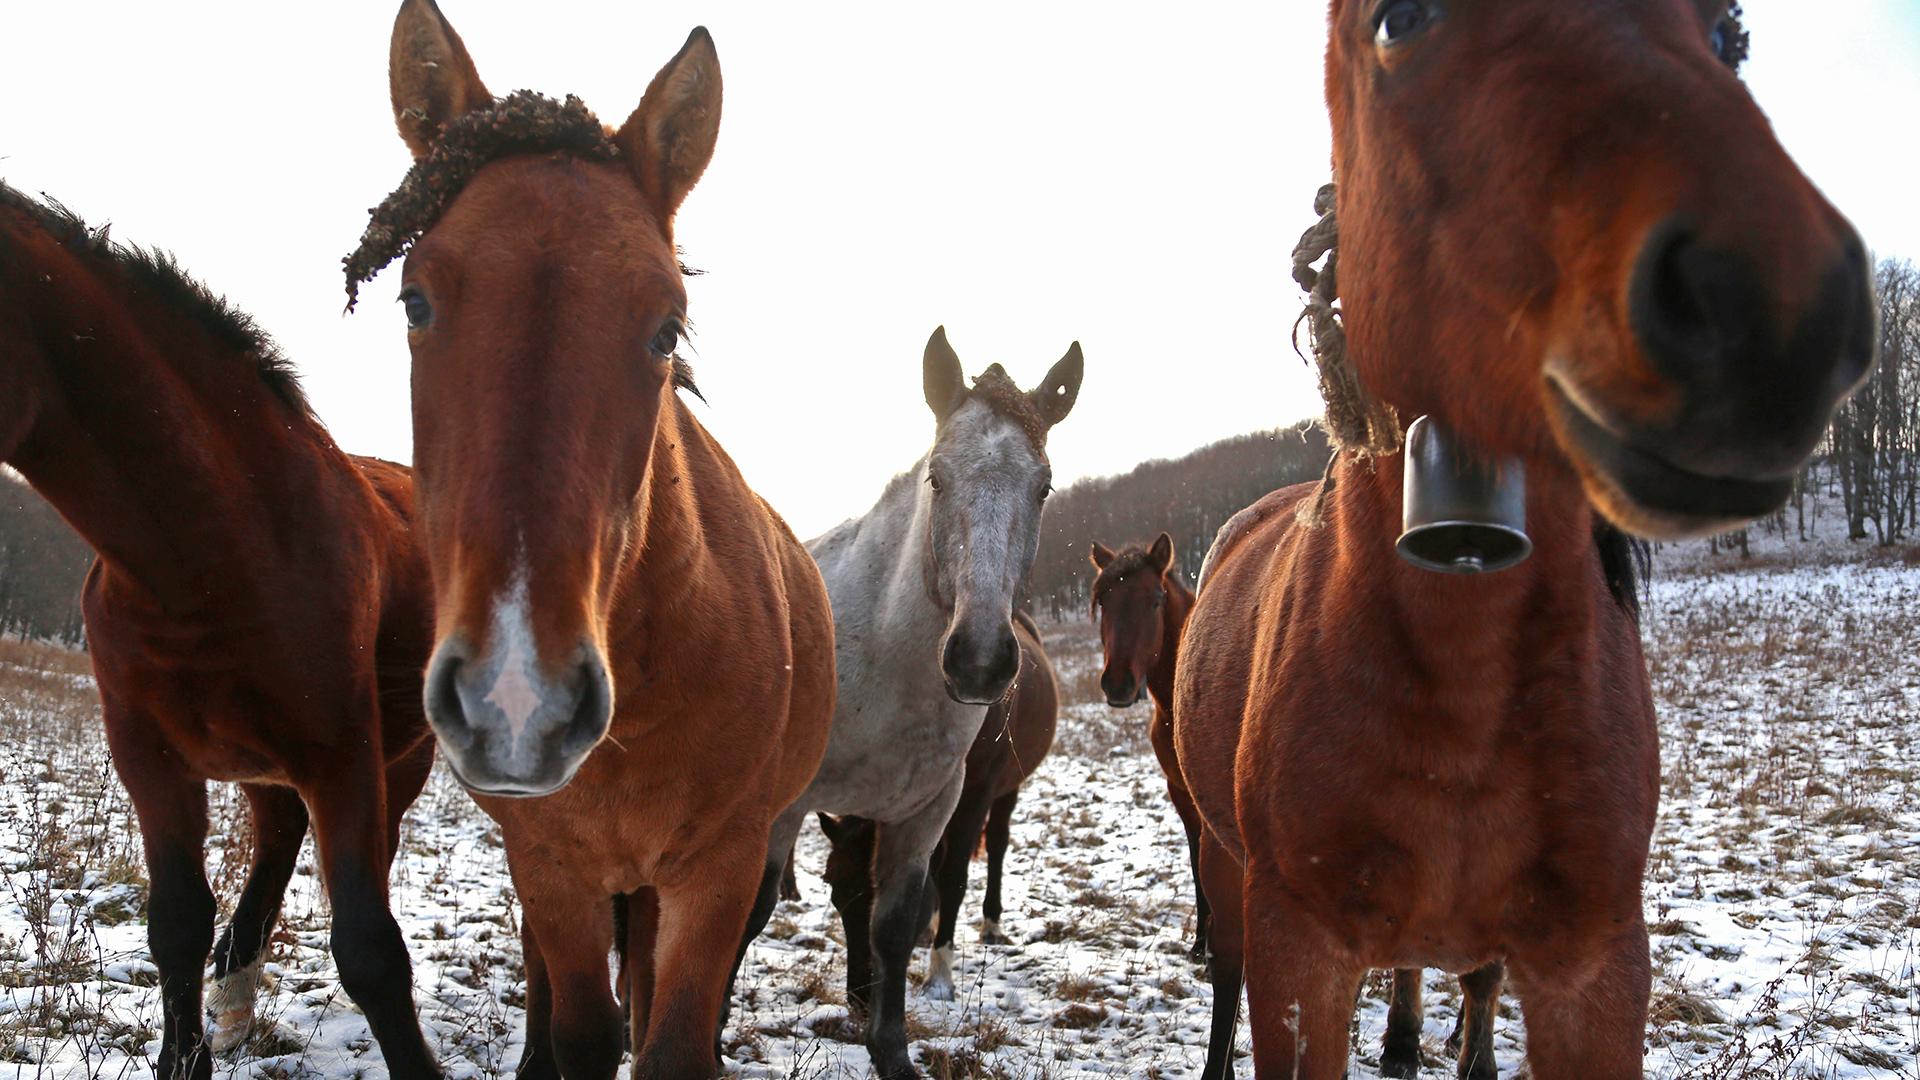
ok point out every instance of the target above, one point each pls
(1784, 887)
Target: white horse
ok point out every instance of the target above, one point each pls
(923, 589)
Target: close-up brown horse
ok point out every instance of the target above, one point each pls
(1141, 606)
(257, 612)
(1600, 263)
(633, 663)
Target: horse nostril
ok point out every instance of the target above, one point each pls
(593, 709)
(1686, 302)
(443, 703)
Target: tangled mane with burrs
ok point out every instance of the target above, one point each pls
(523, 122)
(1001, 394)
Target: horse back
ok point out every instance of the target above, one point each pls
(1018, 731)
(1210, 674)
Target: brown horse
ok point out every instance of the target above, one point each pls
(257, 613)
(1598, 261)
(633, 667)
(1141, 606)
(1142, 609)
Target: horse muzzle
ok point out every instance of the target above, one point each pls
(506, 726)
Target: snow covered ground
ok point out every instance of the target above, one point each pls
(1784, 888)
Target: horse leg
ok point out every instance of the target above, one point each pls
(536, 1058)
(900, 859)
(279, 825)
(789, 881)
(780, 838)
(698, 919)
(1219, 875)
(406, 778)
(950, 885)
(1479, 1002)
(1300, 988)
(637, 940)
(1182, 799)
(856, 920)
(1587, 1022)
(574, 931)
(999, 832)
(1400, 1056)
(351, 825)
(172, 810)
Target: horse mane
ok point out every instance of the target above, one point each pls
(159, 275)
(1626, 561)
(1000, 393)
(522, 123)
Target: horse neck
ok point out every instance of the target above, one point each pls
(1173, 623)
(898, 533)
(1462, 635)
(161, 453)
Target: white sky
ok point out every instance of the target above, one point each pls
(1130, 175)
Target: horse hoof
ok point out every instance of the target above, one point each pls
(939, 990)
(1479, 1069)
(1400, 1066)
(197, 1066)
(230, 1008)
(898, 1067)
(990, 933)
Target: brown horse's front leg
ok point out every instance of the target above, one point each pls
(1300, 988)
(1590, 1027)
(536, 1058)
(701, 922)
(1472, 1039)
(172, 810)
(574, 932)
(279, 825)
(1219, 877)
(350, 827)
(1400, 1054)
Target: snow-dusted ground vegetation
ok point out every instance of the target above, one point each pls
(1783, 891)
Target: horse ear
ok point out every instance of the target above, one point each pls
(430, 75)
(1055, 395)
(1100, 555)
(1160, 555)
(669, 139)
(945, 383)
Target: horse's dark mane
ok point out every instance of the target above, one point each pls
(523, 122)
(158, 275)
(1626, 562)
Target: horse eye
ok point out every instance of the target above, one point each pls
(1397, 20)
(1717, 41)
(1046, 491)
(419, 312)
(666, 339)
(933, 479)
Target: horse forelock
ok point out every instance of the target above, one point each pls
(1126, 562)
(522, 123)
(999, 392)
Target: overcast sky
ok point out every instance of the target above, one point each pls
(1131, 176)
